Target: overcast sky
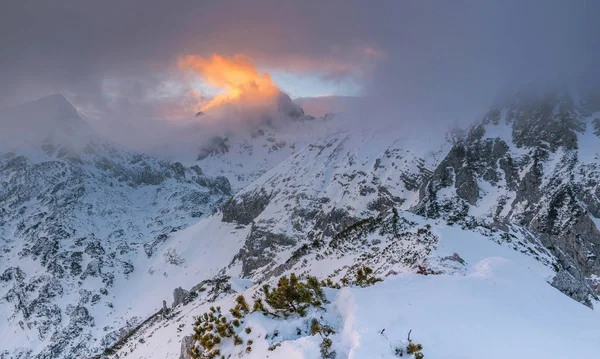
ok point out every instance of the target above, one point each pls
(117, 60)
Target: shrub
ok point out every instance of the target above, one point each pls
(318, 328)
(363, 278)
(329, 284)
(211, 328)
(293, 296)
(326, 352)
(315, 327)
(258, 306)
(237, 340)
(413, 348)
(274, 346)
(241, 307)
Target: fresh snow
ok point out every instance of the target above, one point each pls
(501, 306)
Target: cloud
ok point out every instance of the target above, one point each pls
(236, 76)
(417, 62)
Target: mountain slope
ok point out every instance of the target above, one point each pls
(339, 204)
(532, 161)
(79, 219)
(492, 296)
(489, 223)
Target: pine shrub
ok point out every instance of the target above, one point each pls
(326, 352)
(293, 296)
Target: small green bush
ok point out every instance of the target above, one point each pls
(326, 352)
(292, 295)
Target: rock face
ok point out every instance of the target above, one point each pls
(573, 287)
(180, 296)
(245, 208)
(596, 124)
(186, 344)
(522, 165)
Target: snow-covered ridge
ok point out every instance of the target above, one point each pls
(487, 296)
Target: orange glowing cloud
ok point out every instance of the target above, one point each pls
(236, 76)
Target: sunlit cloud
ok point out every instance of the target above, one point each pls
(235, 76)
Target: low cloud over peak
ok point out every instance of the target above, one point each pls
(412, 62)
(236, 77)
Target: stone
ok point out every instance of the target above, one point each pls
(186, 345)
(180, 296)
(566, 283)
(165, 310)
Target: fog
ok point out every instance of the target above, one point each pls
(420, 64)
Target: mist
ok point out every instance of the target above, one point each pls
(419, 65)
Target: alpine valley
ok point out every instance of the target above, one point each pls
(305, 237)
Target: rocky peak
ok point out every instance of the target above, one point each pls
(546, 120)
(520, 166)
(51, 120)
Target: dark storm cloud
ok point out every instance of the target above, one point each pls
(421, 58)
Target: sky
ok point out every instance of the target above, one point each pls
(120, 62)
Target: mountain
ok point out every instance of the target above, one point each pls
(479, 299)
(79, 219)
(521, 183)
(466, 244)
(49, 121)
(243, 155)
(532, 162)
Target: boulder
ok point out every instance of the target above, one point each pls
(180, 295)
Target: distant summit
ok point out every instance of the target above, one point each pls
(49, 120)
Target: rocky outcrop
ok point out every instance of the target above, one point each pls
(596, 123)
(217, 145)
(246, 207)
(180, 296)
(573, 287)
(186, 345)
(260, 248)
(548, 120)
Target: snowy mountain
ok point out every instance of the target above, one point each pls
(344, 202)
(489, 301)
(79, 218)
(50, 122)
(111, 253)
(245, 155)
(532, 162)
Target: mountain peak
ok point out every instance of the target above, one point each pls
(51, 119)
(55, 106)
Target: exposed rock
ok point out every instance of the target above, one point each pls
(548, 119)
(180, 296)
(217, 145)
(566, 283)
(186, 345)
(164, 309)
(260, 249)
(75, 218)
(596, 123)
(454, 257)
(245, 208)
